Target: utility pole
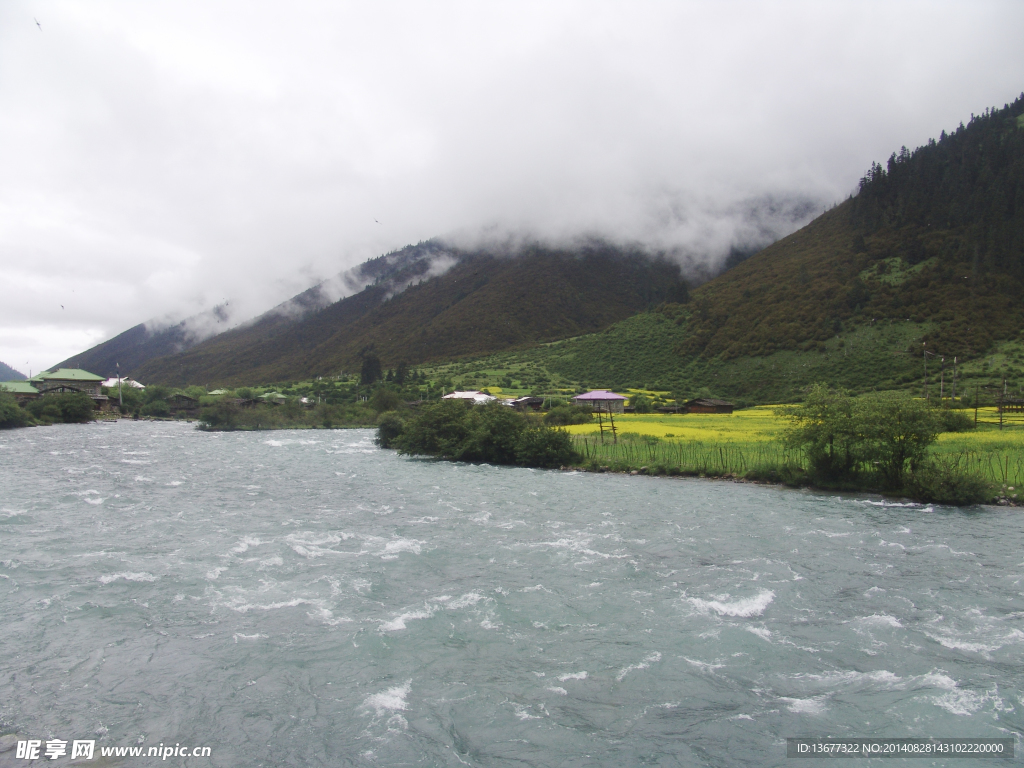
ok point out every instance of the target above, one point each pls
(924, 356)
(120, 402)
(954, 377)
(975, 405)
(942, 379)
(1002, 405)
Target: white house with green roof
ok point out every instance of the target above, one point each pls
(70, 380)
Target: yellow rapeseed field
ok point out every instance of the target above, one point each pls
(749, 436)
(747, 426)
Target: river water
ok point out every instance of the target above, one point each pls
(304, 598)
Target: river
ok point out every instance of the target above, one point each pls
(302, 598)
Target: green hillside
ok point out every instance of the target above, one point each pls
(9, 374)
(482, 304)
(926, 262)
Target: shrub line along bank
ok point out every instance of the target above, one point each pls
(773, 479)
(873, 443)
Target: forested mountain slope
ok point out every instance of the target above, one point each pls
(134, 347)
(482, 304)
(9, 374)
(928, 256)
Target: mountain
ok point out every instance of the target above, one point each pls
(146, 341)
(9, 374)
(926, 262)
(430, 303)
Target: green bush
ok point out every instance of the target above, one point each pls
(222, 415)
(946, 481)
(494, 433)
(897, 430)
(955, 421)
(389, 427)
(385, 399)
(64, 407)
(881, 434)
(641, 404)
(156, 408)
(11, 414)
(545, 447)
(564, 415)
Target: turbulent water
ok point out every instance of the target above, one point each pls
(303, 598)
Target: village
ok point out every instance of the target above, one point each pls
(109, 396)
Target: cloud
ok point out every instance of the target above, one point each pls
(163, 158)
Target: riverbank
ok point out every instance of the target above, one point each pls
(1007, 496)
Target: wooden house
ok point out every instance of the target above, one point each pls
(708, 405)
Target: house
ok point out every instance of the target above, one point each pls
(111, 383)
(182, 402)
(602, 400)
(21, 390)
(273, 398)
(708, 405)
(71, 380)
(527, 403)
(219, 392)
(475, 396)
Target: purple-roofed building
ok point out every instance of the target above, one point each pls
(602, 400)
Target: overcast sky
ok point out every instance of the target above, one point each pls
(157, 158)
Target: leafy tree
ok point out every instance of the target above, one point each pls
(156, 408)
(437, 430)
(454, 429)
(564, 415)
(155, 392)
(11, 414)
(370, 372)
(548, 448)
(897, 430)
(401, 373)
(888, 432)
(66, 407)
(389, 426)
(223, 414)
(493, 433)
(385, 399)
(826, 428)
(641, 404)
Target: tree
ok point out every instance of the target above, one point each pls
(389, 428)
(825, 428)
(66, 407)
(155, 392)
(543, 447)
(495, 433)
(641, 404)
(401, 373)
(223, 413)
(11, 414)
(370, 372)
(156, 408)
(896, 430)
(886, 432)
(385, 399)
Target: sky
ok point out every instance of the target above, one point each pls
(160, 158)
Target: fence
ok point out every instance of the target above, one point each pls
(695, 456)
(1002, 466)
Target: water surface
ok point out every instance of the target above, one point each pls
(303, 598)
